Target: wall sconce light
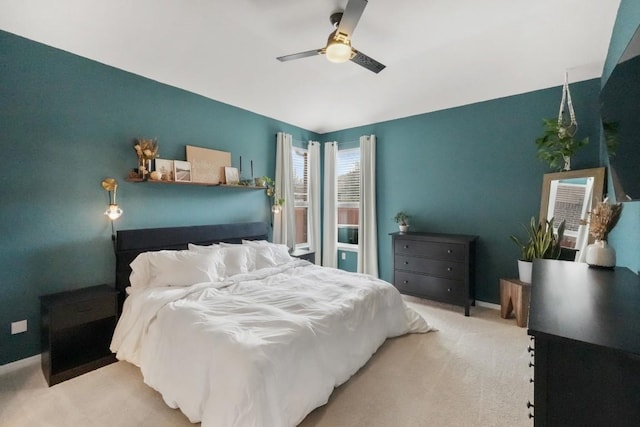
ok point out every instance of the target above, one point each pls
(113, 212)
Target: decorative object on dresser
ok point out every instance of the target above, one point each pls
(542, 242)
(586, 328)
(401, 219)
(557, 144)
(514, 297)
(76, 331)
(602, 219)
(435, 266)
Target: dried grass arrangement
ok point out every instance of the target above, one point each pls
(146, 150)
(603, 218)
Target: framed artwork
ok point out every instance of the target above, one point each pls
(165, 167)
(231, 176)
(182, 171)
(207, 166)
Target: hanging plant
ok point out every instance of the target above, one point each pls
(557, 144)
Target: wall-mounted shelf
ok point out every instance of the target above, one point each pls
(202, 184)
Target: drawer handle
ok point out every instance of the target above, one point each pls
(449, 251)
(530, 349)
(406, 263)
(530, 405)
(530, 380)
(531, 365)
(406, 246)
(405, 281)
(449, 269)
(448, 289)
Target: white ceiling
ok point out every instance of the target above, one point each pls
(439, 53)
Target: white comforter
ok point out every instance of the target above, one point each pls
(263, 348)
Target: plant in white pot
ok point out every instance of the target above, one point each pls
(542, 242)
(401, 219)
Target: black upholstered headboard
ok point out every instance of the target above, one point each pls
(131, 243)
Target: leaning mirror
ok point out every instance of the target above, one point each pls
(569, 196)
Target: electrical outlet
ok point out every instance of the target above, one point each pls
(344, 256)
(18, 327)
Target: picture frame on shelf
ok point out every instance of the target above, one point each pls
(207, 165)
(182, 171)
(231, 176)
(165, 167)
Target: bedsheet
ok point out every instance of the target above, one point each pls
(263, 348)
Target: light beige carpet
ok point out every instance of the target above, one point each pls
(472, 371)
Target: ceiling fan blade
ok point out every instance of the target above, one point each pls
(351, 16)
(367, 62)
(300, 55)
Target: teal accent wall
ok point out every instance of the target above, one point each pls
(625, 237)
(472, 170)
(66, 123)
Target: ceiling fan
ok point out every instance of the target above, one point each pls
(338, 48)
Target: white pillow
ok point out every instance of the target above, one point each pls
(173, 268)
(264, 257)
(279, 252)
(140, 275)
(238, 259)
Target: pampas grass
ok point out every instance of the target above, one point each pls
(603, 218)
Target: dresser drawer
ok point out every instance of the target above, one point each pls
(436, 288)
(445, 269)
(83, 311)
(436, 250)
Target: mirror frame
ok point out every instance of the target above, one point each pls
(598, 175)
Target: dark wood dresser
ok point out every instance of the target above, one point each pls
(439, 267)
(77, 327)
(586, 353)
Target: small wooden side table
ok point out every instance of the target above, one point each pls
(514, 297)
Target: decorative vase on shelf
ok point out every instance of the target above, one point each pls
(403, 228)
(600, 254)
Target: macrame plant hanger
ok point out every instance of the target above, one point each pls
(566, 129)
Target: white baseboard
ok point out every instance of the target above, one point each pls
(18, 364)
(488, 305)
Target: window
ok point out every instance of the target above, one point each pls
(300, 161)
(348, 173)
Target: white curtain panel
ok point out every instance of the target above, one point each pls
(284, 222)
(330, 241)
(368, 236)
(313, 212)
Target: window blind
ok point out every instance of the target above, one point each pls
(348, 172)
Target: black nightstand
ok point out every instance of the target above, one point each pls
(77, 327)
(305, 254)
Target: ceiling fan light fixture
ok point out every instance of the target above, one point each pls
(338, 50)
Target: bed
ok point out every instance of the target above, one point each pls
(233, 331)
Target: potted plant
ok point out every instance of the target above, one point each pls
(401, 219)
(270, 189)
(542, 242)
(557, 144)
